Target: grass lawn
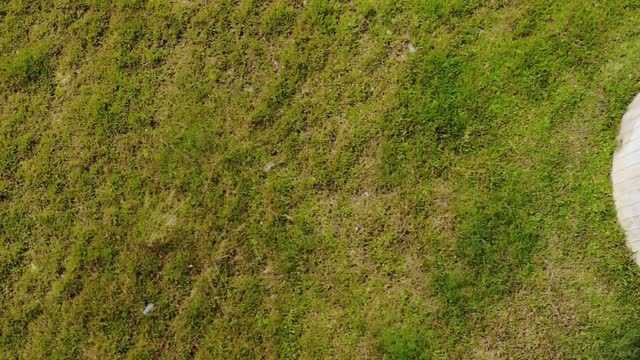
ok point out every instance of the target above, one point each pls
(422, 179)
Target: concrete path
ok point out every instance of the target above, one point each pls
(625, 176)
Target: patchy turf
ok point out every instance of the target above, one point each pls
(347, 179)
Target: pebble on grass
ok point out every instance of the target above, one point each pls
(148, 309)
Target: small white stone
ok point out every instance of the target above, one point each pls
(412, 49)
(148, 309)
(249, 90)
(269, 166)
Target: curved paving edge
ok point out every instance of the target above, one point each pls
(625, 177)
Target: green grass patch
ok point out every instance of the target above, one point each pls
(314, 179)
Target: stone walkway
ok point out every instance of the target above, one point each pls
(625, 176)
